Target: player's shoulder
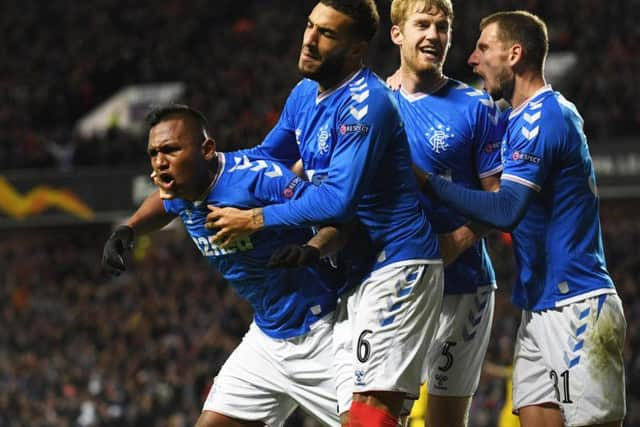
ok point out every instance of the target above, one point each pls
(305, 89)
(542, 105)
(175, 205)
(243, 168)
(366, 94)
(467, 97)
(542, 116)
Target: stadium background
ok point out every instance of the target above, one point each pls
(79, 349)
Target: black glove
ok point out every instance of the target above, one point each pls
(292, 256)
(120, 241)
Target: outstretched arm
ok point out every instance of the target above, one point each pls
(502, 209)
(150, 216)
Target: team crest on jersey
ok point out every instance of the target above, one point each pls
(323, 137)
(438, 136)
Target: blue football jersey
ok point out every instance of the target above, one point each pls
(455, 132)
(285, 301)
(353, 144)
(558, 243)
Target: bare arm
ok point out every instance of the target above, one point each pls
(329, 239)
(150, 216)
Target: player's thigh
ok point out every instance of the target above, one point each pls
(251, 385)
(394, 314)
(457, 353)
(311, 371)
(448, 411)
(572, 357)
(214, 419)
(343, 351)
(543, 415)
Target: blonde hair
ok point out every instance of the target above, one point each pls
(402, 9)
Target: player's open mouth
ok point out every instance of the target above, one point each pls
(430, 50)
(166, 180)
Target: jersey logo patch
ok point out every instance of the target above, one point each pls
(354, 128)
(525, 157)
(491, 147)
(438, 138)
(288, 191)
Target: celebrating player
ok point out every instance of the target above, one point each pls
(286, 357)
(453, 131)
(342, 122)
(568, 364)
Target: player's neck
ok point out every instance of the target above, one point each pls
(526, 85)
(329, 85)
(413, 82)
(212, 177)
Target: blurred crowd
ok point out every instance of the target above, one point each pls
(140, 350)
(61, 59)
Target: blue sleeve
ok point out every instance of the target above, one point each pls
(534, 139)
(280, 144)
(489, 129)
(502, 209)
(355, 158)
(277, 184)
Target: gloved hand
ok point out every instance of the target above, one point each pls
(292, 256)
(120, 241)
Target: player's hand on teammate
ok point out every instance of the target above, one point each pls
(394, 81)
(120, 241)
(293, 256)
(232, 224)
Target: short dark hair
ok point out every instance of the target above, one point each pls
(520, 26)
(363, 12)
(162, 112)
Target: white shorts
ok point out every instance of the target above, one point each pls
(457, 353)
(265, 379)
(572, 356)
(343, 362)
(393, 317)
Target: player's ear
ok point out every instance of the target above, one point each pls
(516, 54)
(208, 148)
(396, 35)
